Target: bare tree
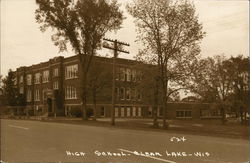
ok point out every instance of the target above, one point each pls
(82, 23)
(170, 33)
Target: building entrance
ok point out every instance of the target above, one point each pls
(49, 103)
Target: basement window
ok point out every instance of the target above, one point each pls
(183, 114)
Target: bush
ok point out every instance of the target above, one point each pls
(89, 112)
(6, 111)
(60, 112)
(30, 112)
(76, 112)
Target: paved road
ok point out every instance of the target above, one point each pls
(35, 141)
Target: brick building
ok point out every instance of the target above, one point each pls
(52, 88)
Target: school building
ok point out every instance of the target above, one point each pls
(52, 88)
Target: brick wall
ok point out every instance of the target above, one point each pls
(63, 76)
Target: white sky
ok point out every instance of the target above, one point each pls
(226, 23)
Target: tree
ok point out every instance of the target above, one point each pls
(98, 78)
(212, 82)
(10, 90)
(150, 88)
(170, 33)
(82, 24)
(1, 86)
(238, 69)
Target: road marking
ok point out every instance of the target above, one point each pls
(156, 158)
(20, 127)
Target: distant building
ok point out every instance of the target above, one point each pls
(53, 88)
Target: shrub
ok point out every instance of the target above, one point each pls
(76, 112)
(89, 112)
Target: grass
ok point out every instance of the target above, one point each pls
(195, 127)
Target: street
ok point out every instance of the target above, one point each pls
(37, 141)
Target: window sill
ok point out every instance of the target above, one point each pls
(184, 117)
(71, 78)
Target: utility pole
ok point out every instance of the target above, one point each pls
(116, 49)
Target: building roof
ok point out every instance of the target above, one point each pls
(96, 58)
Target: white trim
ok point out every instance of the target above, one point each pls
(35, 69)
(73, 61)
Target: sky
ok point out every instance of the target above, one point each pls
(226, 23)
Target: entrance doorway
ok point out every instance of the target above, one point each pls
(49, 103)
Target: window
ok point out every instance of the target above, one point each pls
(55, 72)
(44, 93)
(180, 114)
(116, 111)
(159, 111)
(133, 95)
(139, 111)
(139, 95)
(188, 113)
(29, 79)
(128, 75)
(128, 112)
(205, 113)
(183, 114)
(139, 75)
(134, 111)
(55, 85)
(45, 76)
(71, 71)
(117, 93)
(21, 79)
(37, 78)
(37, 95)
(36, 107)
(67, 110)
(15, 81)
(128, 94)
(122, 74)
(215, 112)
(70, 92)
(133, 75)
(29, 95)
(122, 93)
(122, 111)
(21, 90)
(117, 74)
(102, 111)
(150, 110)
